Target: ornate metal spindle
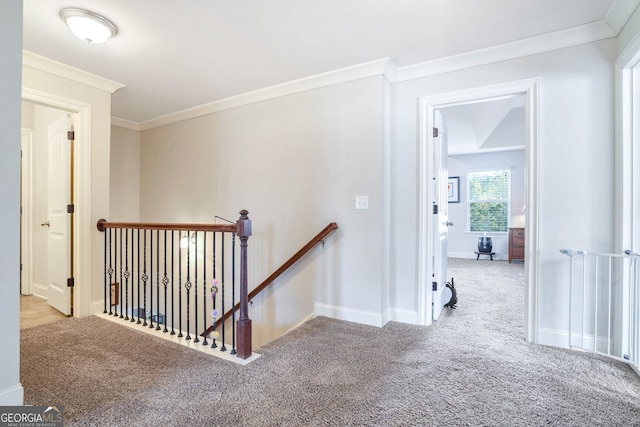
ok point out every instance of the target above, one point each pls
(195, 292)
(126, 274)
(187, 285)
(180, 289)
(149, 313)
(145, 277)
(105, 274)
(233, 293)
(165, 282)
(110, 268)
(213, 334)
(138, 279)
(120, 265)
(204, 288)
(133, 265)
(115, 267)
(222, 340)
(157, 280)
(173, 245)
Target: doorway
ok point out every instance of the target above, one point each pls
(428, 105)
(46, 201)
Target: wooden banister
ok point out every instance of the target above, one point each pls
(242, 229)
(227, 228)
(284, 267)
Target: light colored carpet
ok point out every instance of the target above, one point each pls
(472, 368)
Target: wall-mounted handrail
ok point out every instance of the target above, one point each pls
(284, 267)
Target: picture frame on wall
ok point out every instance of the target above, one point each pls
(453, 189)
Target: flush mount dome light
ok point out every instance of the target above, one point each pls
(88, 26)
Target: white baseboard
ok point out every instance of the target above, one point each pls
(40, 290)
(350, 315)
(300, 323)
(560, 338)
(96, 307)
(403, 316)
(12, 396)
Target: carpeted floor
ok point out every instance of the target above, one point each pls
(472, 368)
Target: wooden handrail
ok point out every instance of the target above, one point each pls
(103, 224)
(284, 267)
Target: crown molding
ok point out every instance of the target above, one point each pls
(618, 14)
(534, 45)
(126, 124)
(331, 78)
(32, 60)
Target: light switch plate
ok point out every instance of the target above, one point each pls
(362, 202)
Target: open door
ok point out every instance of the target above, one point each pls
(441, 216)
(60, 209)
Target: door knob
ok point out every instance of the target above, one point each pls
(449, 223)
(45, 224)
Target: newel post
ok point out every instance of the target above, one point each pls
(243, 231)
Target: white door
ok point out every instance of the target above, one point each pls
(59, 221)
(441, 216)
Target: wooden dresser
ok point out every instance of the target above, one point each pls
(516, 244)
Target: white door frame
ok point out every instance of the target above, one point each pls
(628, 148)
(627, 163)
(82, 190)
(26, 211)
(530, 88)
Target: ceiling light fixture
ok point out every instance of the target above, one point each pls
(88, 26)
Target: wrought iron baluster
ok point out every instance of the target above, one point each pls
(213, 333)
(105, 274)
(110, 270)
(187, 285)
(121, 269)
(173, 332)
(180, 289)
(157, 281)
(145, 277)
(132, 319)
(126, 274)
(115, 268)
(149, 313)
(233, 293)
(195, 292)
(222, 340)
(138, 280)
(204, 288)
(165, 282)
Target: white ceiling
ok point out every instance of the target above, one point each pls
(491, 125)
(172, 55)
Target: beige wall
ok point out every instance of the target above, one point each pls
(124, 187)
(296, 164)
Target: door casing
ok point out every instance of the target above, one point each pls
(82, 179)
(427, 106)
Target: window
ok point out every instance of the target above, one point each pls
(489, 198)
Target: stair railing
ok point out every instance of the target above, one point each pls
(144, 279)
(318, 238)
